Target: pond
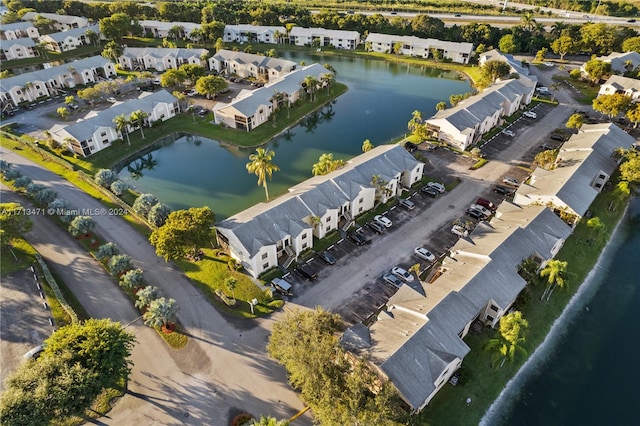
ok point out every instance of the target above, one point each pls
(195, 171)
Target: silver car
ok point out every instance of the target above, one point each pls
(402, 274)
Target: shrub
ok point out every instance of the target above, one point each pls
(575, 74)
(45, 197)
(158, 214)
(33, 188)
(118, 187)
(106, 251)
(144, 203)
(105, 177)
(22, 182)
(81, 225)
(12, 174)
(132, 279)
(119, 264)
(147, 295)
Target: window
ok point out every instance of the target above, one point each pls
(264, 256)
(328, 228)
(490, 318)
(360, 210)
(494, 308)
(265, 266)
(361, 200)
(304, 236)
(103, 134)
(304, 246)
(328, 219)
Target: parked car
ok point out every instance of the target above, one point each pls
(485, 211)
(327, 258)
(502, 190)
(511, 181)
(508, 133)
(202, 112)
(557, 137)
(112, 100)
(530, 114)
(543, 90)
(191, 93)
(425, 254)
(383, 220)
(34, 353)
(460, 231)
(358, 239)
(407, 204)
(486, 203)
(437, 186)
(548, 64)
(431, 192)
(393, 280)
(548, 147)
(402, 274)
(375, 227)
(475, 214)
(410, 146)
(308, 272)
(282, 286)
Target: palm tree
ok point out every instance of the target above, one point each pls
(113, 51)
(310, 83)
(230, 283)
(556, 29)
(415, 268)
(122, 125)
(161, 312)
(556, 272)
(138, 118)
(327, 79)
(276, 100)
(367, 145)
(262, 166)
(197, 35)
(527, 21)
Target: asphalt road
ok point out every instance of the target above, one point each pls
(223, 369)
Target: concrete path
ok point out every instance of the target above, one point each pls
(223, 369)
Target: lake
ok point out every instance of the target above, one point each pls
(196, 171)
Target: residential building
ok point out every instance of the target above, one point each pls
(618, 84)
(18, 30)
(583, 167)
(420, 47)
(160, 58)
(98, 130)
(463, 125)
(515, 65)
(620, 62)
(417, 339)
(64, 41)
(275, 233)
(61, 22)
(251, 108)
(245, 33)
(340, 39)
(248, 65)
(19, 48)
(161, 29)
(47, 82)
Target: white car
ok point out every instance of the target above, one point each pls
(530, 114)
(485, 211)
(402, 274)
(425, 254)
(437, 186)
(383, 220)
(543, 90)
(459, 231)
(548, 64)
(511, 181)
(508, 132)
(112, 100)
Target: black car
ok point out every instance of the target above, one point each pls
(502, 190)
(375, 227)
(410, 146)
(358, 239)
(427, 190)
(327, 258)
(475, 214)
(557, 137)
(308, 272)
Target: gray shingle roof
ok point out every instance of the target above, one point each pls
(51, 73)
(74, 32)
(17, 26)
(65, 19)
(161, 52)
(26, 42)
(250, 58)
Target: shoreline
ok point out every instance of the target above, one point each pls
(559, 327)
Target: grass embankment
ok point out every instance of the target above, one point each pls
(209, 274)
(581, 251)
(588, 91)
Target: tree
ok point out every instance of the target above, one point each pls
(632, 44)
(193, 71)
(146, 295)
(416, 125)
(397, 48)
(210, 85)
(416, 269)
(118, 187)
(261, 164)
(138, 117)
(119, 264)
(546, 159)
(596, 229)
(426, 26)
(14, 222)
(116, 26)
(508, 344)
(122, 125)
(611, 105)
(176, 31)
(106, 251)
(132, 279)
(172, 78)
(310, 84)
(158, 214)
(63, 112)
(230, 283)
(597, 69)
(633, 114)
(556, 273)
(541, 54)
(598, 38)
(367, 145)
(527, 21)
(143, 204)
(575, 121)
(81, 225)
(268, 421)
(563, 45)
(113, 51)
(197, 35)
(93, 37)
(494, 69)
(507, 44)
(183, 233)
(326, 164)
(441, 106)
(70, 100)
(327, 79)
(105, 177)
(630, 167)
(219, 45)
(161, 312)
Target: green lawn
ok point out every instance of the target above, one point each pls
(24, 253)
(588, 90)
(485, 383)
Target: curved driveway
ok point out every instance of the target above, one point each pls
(223, 369)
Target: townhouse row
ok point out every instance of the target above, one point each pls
(275, 233)
(417, 340)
